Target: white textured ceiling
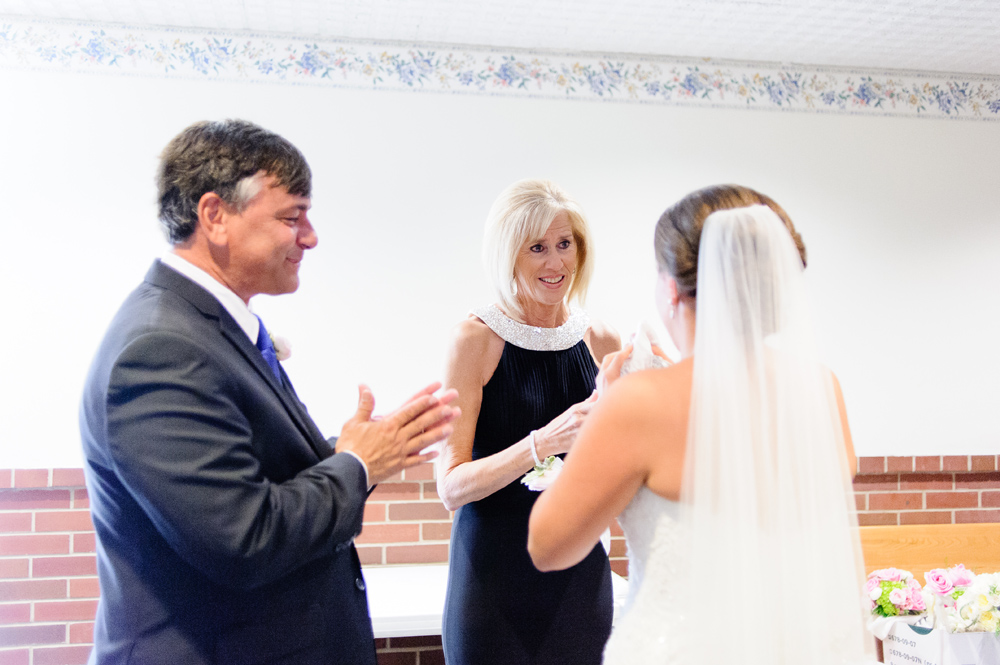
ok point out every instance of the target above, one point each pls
(961, 36)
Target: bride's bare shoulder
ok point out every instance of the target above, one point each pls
(653, 396)
(657, 381)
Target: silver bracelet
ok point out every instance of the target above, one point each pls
(534, 453)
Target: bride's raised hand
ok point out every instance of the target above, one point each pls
(560, 434)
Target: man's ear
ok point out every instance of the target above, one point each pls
(212, 218)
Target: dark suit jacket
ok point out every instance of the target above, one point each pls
(224, 521)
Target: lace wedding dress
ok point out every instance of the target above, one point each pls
(648, 629)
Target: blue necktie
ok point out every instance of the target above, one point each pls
(267, 350)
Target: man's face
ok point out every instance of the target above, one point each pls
(267, 240)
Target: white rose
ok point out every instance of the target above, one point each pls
(282, 347)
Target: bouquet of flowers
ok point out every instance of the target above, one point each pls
(954, 600)
(945, 586)
(979, 606)
(965, 603)
(893, 592)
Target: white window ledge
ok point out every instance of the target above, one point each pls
(407, 601)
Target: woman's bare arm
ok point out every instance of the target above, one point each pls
(473, 357)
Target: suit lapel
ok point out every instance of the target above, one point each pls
(206, 303)
(232, 332)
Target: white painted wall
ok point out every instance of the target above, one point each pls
(899, 216)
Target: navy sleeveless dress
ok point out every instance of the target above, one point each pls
(499, 608)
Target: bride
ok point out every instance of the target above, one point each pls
(730, 469)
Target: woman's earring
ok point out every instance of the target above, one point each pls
(513, 287)
(672, 310)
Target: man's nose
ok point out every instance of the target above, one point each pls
(307, 235)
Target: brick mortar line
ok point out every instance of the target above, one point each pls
(87, 576)
(35, 511)
(869, 493)
(921, 510)
(22, 534)
(51, 623)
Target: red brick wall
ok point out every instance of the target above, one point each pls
(48, 583)
(949, 489)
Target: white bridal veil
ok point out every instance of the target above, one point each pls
(775, 573)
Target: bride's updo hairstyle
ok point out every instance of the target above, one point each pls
(678, 233)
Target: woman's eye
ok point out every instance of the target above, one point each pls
(564, 244)
(535, 248)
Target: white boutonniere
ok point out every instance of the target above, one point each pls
(543, 474)
(282, 347)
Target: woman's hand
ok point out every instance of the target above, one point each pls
(560, 434)
(611, 368)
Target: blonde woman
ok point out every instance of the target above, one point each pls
(524, 368)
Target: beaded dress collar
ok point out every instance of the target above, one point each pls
(534, 338)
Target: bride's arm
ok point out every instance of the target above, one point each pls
(473, 357)
(852, 461)
(608, 464)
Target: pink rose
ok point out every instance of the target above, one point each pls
(960, 576)
(914, 598)
(939, 581)
(915, 603)
(894, 574)
(873, 583)
(898, 597)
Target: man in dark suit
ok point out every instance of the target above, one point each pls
(225, 521)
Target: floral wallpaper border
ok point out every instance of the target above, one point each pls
(252, 58)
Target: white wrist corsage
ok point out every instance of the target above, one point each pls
(544, 474)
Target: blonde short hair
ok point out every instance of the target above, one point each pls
(523, 212)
